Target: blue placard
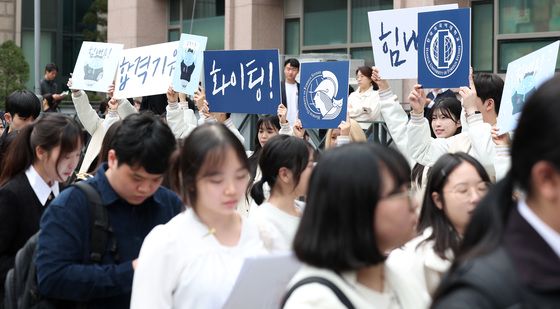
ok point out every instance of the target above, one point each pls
(188, 66)
(323, 94)
(242, 81)
(444, 53)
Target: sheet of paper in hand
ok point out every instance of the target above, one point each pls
(96, 66)
(189, 63)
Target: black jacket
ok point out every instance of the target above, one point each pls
(524, 272)
(20, 213)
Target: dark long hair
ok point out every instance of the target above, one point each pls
(268, 122)
(48, 131)
(337, 229)
(444, 233)
(485, 232)
(450, 107)
(280, 151)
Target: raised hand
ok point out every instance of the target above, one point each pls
(299, 131)
(500, 139)
(199, 98)
(172, 96)
(469, 95)
(417, 99)
(113, 104)
(282, 112)
(376, 77)
(344, 126)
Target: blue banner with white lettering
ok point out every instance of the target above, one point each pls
(444, 53)
(242, 81)
(323, 94)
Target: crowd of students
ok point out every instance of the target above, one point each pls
(185, 204)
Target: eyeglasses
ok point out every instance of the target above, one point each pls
(463, 190)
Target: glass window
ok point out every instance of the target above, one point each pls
(526, 16)
(510, 51)
(363, 53)
(173, 35)
(325, 22)
(338, 52)
(208, 21)
(46, 56)
(482, 36)
(291, 41)
(174, 12)
(360, 23)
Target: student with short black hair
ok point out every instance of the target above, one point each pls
(286, 163)
(290, 89)
(455, 185)
(50, 86)
(129, 187)
(510, 252)
(358, 209)
(194, 260)
(43, 155)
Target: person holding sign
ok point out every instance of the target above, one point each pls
(180, 117)
(510, 251)
(194, 260)
(95, 125)
(358, 210)
(475, 138)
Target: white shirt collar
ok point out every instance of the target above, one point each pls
(550, 236)
(40, 187)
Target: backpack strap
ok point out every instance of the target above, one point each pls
(339, 294)
(101, 230)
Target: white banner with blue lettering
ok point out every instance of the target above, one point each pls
(147, 70)
(189, 63)
(242, 81)
(394, 40)
(523, 77)
(96, 65)
(444, 53)
(323, 94)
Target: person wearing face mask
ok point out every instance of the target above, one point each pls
(455, 185)
(43, 155)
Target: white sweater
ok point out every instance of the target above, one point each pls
(398, 291)
(182, 265)
(364, 106)
(279, 225)
(95, 125)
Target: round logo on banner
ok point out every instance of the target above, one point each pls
(443, 49)
(320, 96)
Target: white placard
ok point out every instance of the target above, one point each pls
(394, 39)
(96, 66)
(145, 70)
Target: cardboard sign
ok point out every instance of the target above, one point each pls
(242, 81)
(96, 66)
(444, 54)
(145, 70)
(394, 39)
(189, 63)
(523, 77)
(323, 96)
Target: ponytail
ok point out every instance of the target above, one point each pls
(20, 154)
(257, 191)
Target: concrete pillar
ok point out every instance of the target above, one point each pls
(7, 20)
(254, 24)
(136, 23)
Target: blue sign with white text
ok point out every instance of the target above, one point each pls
(444, 53)
(323, 94)
(242, 81)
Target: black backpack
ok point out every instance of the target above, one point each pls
(21, 289)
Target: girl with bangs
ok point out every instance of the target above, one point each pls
(194, 260)
(43, 155)
(445, 122)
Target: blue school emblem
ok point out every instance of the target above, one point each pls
(443, 48)
(323, 100)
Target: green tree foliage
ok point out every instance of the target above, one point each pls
(14, 70)
(96, 22)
